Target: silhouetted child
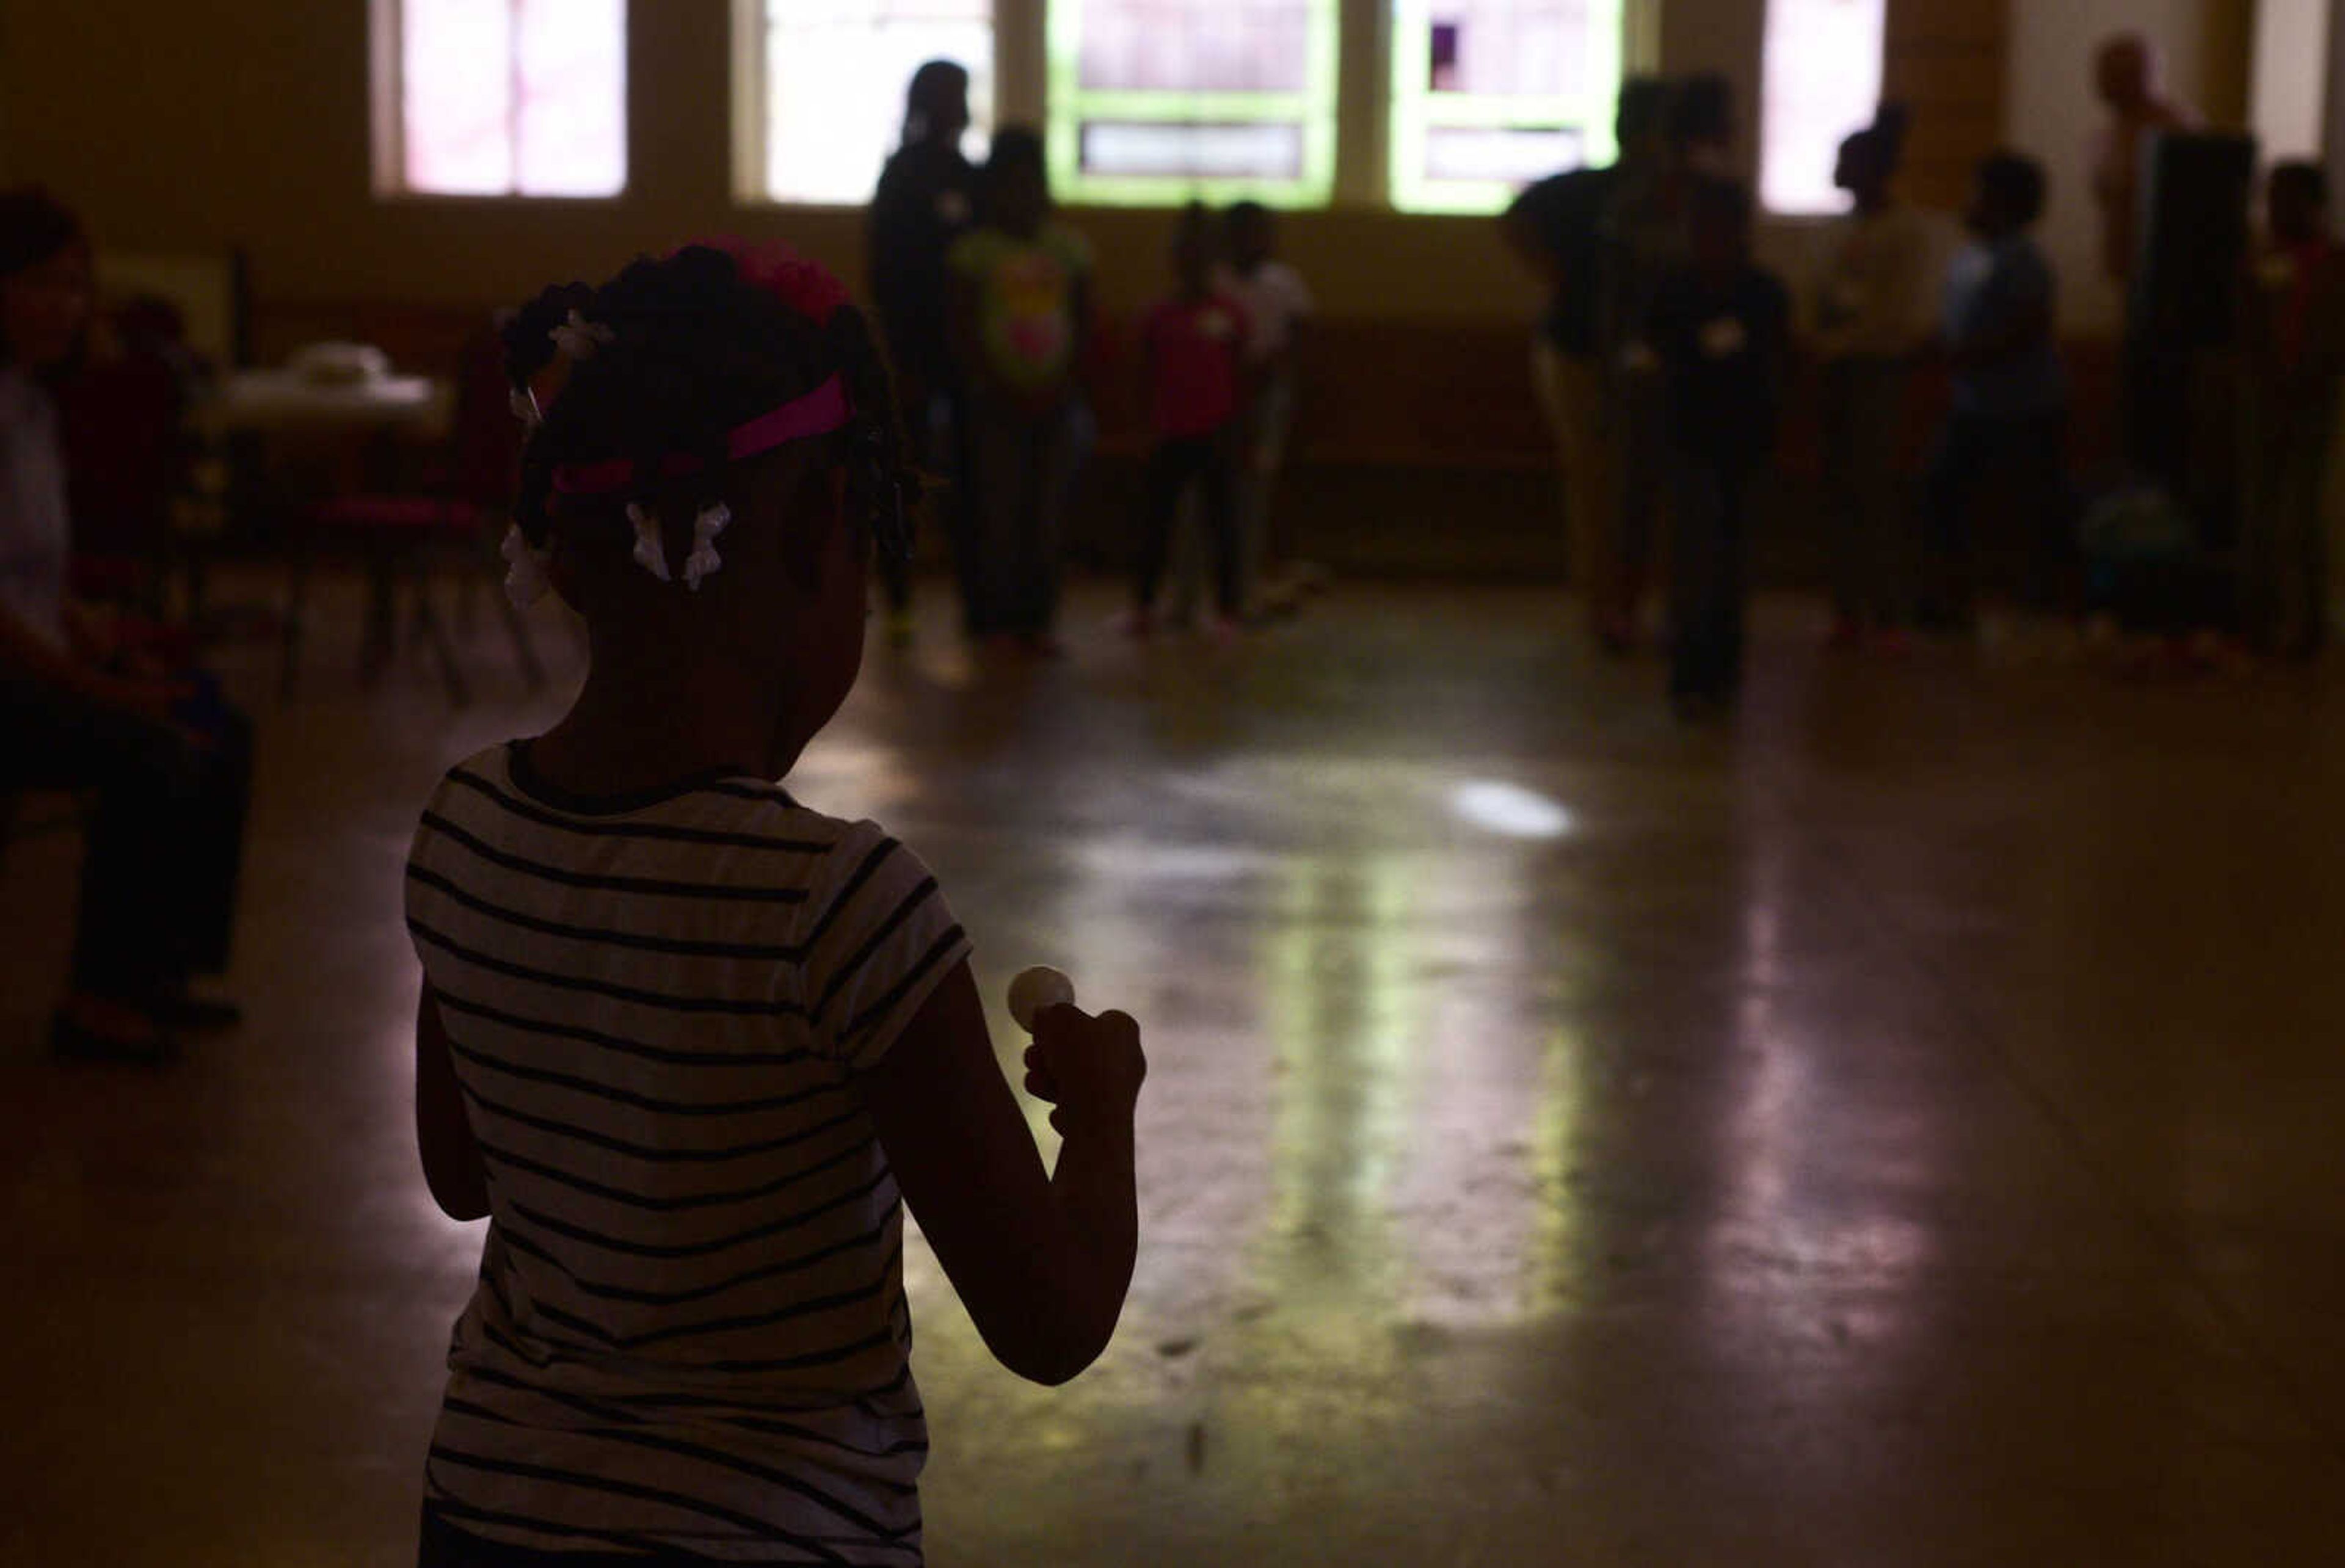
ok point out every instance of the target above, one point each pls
(1872, 317)
(1278, 307)
(1720, 326)
(2294, 329)
(1194, 342)
(2009, 414)
(693, 1046)
(926, 200)
(1022, 284)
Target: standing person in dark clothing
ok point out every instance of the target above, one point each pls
(1720, 326)
(927, 199)
(1557, 228)
(2294, 319)
(1645, 237)
(2010, 399)
(84, 703)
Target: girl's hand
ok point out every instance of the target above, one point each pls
(1090, 1068)
(1042, 1260)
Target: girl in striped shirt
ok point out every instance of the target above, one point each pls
(691, 1045)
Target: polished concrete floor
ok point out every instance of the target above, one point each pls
(1899, 1129)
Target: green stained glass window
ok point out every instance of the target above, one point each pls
(1164, 101)
(1490, 95)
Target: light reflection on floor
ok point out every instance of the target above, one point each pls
(1569, 1138)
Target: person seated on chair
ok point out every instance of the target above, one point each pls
(86, 702)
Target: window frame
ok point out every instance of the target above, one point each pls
(748, 46)
(1413, 110)
(1315, 108)
(387, 101)
(1765, 207)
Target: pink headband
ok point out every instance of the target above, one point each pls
(819, 412)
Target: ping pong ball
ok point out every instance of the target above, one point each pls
(1035, 989)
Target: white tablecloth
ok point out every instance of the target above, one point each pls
(269, 401)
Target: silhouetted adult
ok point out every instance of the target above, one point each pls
(2128, 77)
(927, 199)
(1557, 229)
(86, 702)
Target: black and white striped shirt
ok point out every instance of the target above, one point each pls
(690, 1331)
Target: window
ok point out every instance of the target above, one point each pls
(1490, 95)
(1822, 81)
(502, 97)
(1155, 101)
(832, 91)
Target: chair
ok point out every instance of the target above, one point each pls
(452, 512)
(155, 500)
(210, 291)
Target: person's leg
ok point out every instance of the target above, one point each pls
(1696, 523)
(131, 947)
(1162, 485)
(1063, 442)
(996, 453)
(2254, 574)
(2320, 454)
(896, 587)
(2296, 558)
(1571, 393)
(213, 848)
(1188, 563)
(1261, 459)
(1218, 503)
(1883, 519)
(1642, 482)
(1731, 583)
(2038, 458)
(1957, 464)
(1027, 591)
(1846, 546)
(895, 575)
(959, 507)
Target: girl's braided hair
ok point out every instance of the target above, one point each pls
(697, 342)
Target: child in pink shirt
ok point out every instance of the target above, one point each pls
(1195, 343)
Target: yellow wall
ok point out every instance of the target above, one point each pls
(210, 123)
(205, 124)
(2051, 112)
